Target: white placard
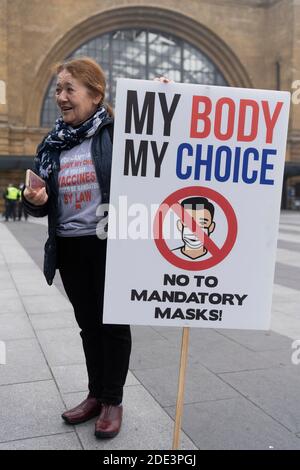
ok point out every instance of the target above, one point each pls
(195, 202)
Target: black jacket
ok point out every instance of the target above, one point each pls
(101, 151)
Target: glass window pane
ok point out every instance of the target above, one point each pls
(141, 54)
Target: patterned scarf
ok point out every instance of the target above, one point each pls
(65, 137)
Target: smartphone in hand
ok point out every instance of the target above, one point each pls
(33, 181)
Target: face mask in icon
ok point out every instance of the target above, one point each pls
(191, 239)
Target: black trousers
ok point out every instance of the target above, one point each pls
(107, 348)
(10, 209)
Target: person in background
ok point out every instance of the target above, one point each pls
(11, 197)
(75, 161)
(5, 203)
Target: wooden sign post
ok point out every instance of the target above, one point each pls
(181, 385)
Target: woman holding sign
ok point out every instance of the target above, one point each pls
(74, 160)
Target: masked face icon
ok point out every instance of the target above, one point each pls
(200, 211)
(191, 239)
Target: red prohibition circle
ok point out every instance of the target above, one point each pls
(222, 252)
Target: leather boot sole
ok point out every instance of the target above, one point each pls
(105, 435)
(79, 421)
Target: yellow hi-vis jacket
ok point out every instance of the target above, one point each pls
(12, 193)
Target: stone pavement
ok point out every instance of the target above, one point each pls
(242, 389)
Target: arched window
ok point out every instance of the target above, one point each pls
(142, 54)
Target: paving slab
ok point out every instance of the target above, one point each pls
(221, 354)
(15, 254)
(234, 424)
(286, 324)
(294, 246)
(30, 410)
(31, 281)
(201, 385)
(293, 238)
(174, 334)
(257, 340)
(29, 268)
(279, 357)
(25, 362)
(144, 334)
(53, 320)
(10, 302)
(292, 258)
(290, 308)
(6, 281)
(282, 293)
(15, 326)
(149, 354)
(62, 346)
(71, 378)
(36, 304)
(66, 441)
(275, 390)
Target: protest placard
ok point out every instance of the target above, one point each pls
(195, 201)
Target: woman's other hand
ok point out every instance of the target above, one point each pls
(37, 197)
(163, 80)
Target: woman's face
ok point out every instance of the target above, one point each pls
(74, 100)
